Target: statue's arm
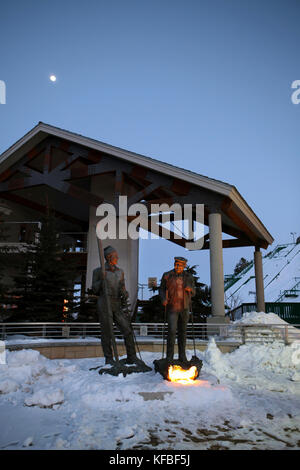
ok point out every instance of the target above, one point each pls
(163, 289)
(123, 291)
(190, 285)
(193, 286)
(97, 282)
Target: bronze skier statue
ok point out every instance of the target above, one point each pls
(177, 287)
(117, 294)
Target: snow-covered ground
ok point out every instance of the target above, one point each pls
(247, 399)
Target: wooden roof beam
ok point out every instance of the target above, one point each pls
(43, 209)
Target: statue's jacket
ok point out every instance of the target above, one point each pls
(168, 288)
(115, 283)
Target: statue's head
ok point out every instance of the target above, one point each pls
(179, 264)
(111, 255)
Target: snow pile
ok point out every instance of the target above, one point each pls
(25, 356)
(28, 442)
(45, 399)
(262, 318)
(21, 368)
(7, 386)
(274, 329)
(24, 368)
(2, 353)
(273, 366)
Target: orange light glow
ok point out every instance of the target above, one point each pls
(184, 376)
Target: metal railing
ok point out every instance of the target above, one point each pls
(288, 311)
(21, 234)
(238, 333)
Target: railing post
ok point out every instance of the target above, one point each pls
(286, 334)
(44, 330)
(143, 330)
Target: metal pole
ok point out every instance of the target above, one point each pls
(165, 318)
(193, 328)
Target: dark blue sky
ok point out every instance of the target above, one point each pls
(205, 85)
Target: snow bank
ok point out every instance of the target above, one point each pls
(25, 356)
(272, 366)
(25, 367)
(45, 399)
(8, 386)
(262, 318)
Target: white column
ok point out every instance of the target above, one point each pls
(216, 270)
(259, 281)
(216, 265)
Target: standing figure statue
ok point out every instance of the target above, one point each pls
(176, 289)
(117, 294)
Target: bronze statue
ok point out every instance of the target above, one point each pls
(177, 287)
(117, 294)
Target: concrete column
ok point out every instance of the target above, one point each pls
(216, 269)
(127, 249)
(259, 281)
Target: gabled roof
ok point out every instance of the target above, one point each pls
(42, 130)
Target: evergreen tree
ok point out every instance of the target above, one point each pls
(153, 310)
(46, 280)
(5, 298)
(201, 302)
(242, 264)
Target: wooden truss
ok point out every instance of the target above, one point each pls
(63, 165)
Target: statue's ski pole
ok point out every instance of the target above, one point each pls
(108, 305)
(192, 315)
(165, 319)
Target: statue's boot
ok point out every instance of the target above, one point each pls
(130, 349)
(182, 358)
(109, 360)
(134, 360)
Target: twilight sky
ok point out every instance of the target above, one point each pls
(205, 85)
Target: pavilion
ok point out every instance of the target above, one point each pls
(76, 174)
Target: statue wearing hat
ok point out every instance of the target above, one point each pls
(116, 292)
(177, 287)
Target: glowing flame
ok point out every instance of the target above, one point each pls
(184, 376)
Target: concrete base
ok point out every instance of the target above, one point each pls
(80, 350)
(214, 324)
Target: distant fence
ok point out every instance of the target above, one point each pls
(240, 333)
(288, 311)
